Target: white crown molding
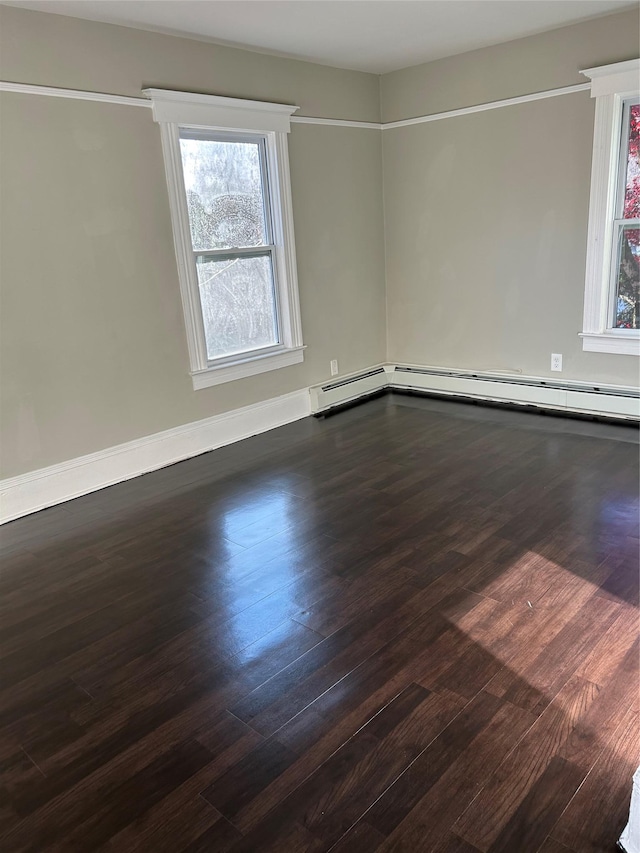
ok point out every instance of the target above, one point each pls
(614, 68)
(337, 122)
(58, 483)
(491, 105)
(617, 79)
(186, 108)
(329, 122)
(178, 97)
(73, 94)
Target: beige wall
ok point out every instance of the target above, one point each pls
(485, 224)
(93, 344)
(534, 64)
(52, 50)
(486, 214)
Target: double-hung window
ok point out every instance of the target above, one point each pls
(228, 177)
(612, 292)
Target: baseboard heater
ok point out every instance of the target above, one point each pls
(349, 389)
(527, 391)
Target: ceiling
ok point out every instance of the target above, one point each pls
(367, 35)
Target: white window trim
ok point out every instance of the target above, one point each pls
(173, 110)
(610, 85)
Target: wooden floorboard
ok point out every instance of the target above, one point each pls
(412, 626)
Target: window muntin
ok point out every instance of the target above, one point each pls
(227, 191)
(625, 280)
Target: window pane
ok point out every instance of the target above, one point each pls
(225, 197)
(238, 304)
(627, 307)
(632, 182)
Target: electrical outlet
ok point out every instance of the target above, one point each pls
(334, 367)
(556, 361)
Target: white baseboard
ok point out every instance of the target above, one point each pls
(570, 396)
(58, 483)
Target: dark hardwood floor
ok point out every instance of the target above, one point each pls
(409, 627)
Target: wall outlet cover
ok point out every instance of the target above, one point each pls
(556, 361)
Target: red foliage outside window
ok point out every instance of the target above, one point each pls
(632, 188)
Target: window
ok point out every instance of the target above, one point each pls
(626, 234)
(612, 292)
(228, 177)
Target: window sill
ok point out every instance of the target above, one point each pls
(249, 365)
(622, 343)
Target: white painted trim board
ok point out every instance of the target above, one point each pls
(73, 94)
(55, 484)
(28, 89)
(491, 105)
